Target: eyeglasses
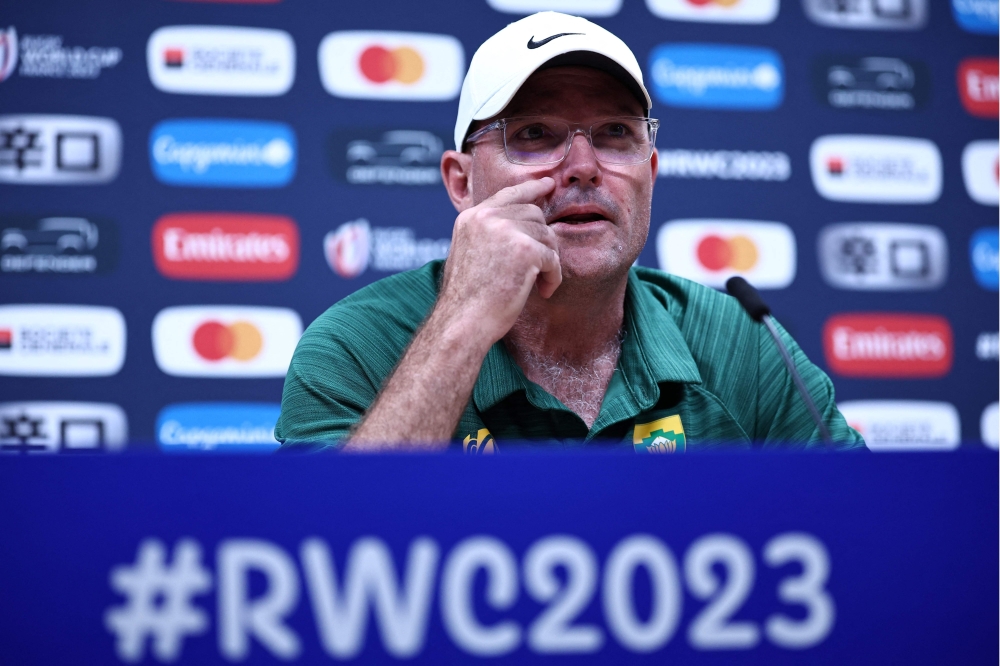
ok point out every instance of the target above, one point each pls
(536, 140)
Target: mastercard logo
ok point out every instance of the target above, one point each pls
(403, 64)
(214, 341)
(225, 340)
(368, 64)
(717, 253)
(710, 251)
(720, 11)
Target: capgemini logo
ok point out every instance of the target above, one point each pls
(8, 52)
(223, 153)
(717, 76)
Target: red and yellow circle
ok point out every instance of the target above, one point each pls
(717, 253)
(402, 64)
(214, 341)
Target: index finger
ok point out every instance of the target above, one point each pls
(527, 192)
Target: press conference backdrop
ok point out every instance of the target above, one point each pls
(185, 185)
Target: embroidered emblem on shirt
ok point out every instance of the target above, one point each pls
(482, 443)
(664, 435)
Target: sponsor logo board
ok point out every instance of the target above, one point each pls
(724, 164)
(983, 248)
(223, 153)
(356, 246)
(712, 251)
(576, 7)
(883, 256)
(717, 76)
(61, 340)
(868, 14)
(979, 16)
(988, 346)
(235, 427)
(42, 149)
(981, 171)
(979, 86)
(871, 83)
(876, 169)
(57, 245)
(904, 425)
(221, 60)
(393, 157)
(364, 64)
(225, 340)
(47, 56)
(715, 11)
(226, 246)
(989, 425)
(888, 345)
(61, 427)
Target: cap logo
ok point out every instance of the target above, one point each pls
(532, 44)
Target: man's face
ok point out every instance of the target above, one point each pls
(599, 212)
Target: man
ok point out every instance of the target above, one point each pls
(538, 327)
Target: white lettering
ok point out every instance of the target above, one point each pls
(460, 621)
(218, 246)
(725, 165)
(239, 617)
(696, 80)
(370, 581)
(883, 345)
(199, 157)
(174, 432)
(45, 56)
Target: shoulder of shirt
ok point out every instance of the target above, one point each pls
(398, 302)
(690, 303)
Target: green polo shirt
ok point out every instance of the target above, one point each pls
(695, 372)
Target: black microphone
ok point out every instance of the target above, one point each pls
(755, 306)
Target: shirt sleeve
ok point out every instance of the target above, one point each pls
(783, 419)
(326, 393)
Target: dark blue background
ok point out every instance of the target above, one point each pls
(319, 202)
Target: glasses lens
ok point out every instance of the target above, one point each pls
(622, 141)
(535, 140)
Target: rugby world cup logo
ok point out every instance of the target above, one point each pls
(348, 249)
(8, 52)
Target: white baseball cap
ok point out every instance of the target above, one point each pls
(505, 61)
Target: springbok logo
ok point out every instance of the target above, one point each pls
(482, 443)
(664, 435)
(8, 52)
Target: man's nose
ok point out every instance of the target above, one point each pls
(581, 165)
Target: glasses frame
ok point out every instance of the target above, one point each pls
(575, 128)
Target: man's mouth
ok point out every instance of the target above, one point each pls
(580, 218)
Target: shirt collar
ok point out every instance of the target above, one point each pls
(653, 351)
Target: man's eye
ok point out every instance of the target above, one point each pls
(532, 133)
(616, 130)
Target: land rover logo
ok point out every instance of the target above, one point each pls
(387, 157)
(870, 83)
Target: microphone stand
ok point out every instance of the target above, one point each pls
(759, 311)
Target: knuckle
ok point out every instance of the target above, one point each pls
(485, 213)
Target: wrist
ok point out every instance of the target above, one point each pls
(458, 332)
(459, 336)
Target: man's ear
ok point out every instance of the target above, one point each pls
(456, 170)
